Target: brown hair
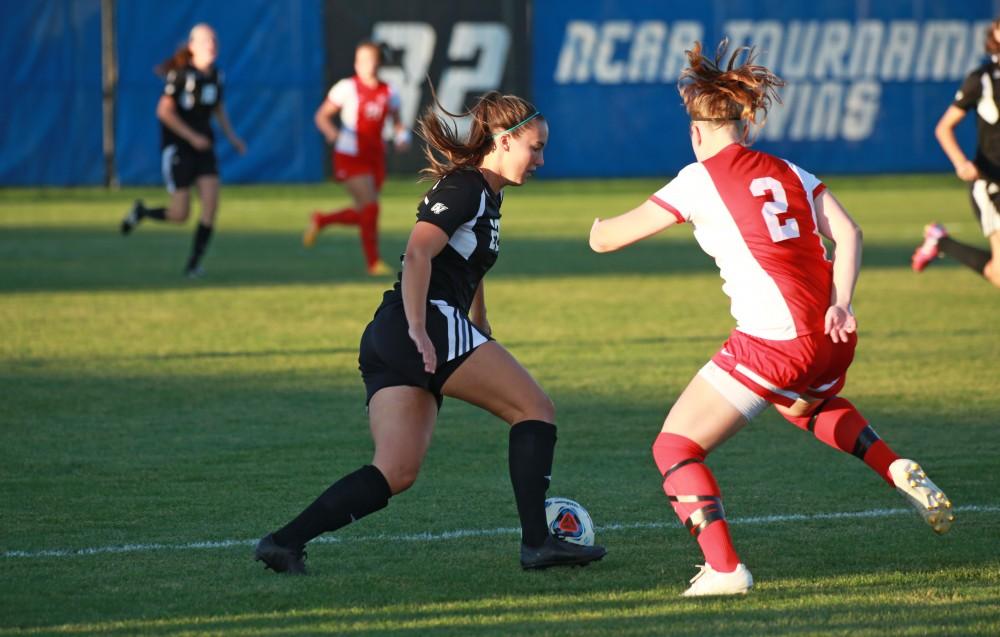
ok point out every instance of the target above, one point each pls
(180, 59)
(715, 92)
(493, 110)
(990, 43)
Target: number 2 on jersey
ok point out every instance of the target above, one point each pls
(772, 210)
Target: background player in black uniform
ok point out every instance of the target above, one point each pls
(980, 91)
(193, 93)
(430, 338)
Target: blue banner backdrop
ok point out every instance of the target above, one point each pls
(51, 112)
(866, 81)
(272, 57)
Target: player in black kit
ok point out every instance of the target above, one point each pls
(192, 94)
(430, 338)
(980, 92)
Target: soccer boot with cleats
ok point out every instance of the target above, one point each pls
(925, 496)
(555, 552)
(709, 581)
(131, 220)
(312, 231)
(928, 250)
(379, 268)
(280, 559)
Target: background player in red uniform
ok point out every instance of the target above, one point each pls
(761, 218)
(430, 338)
(363, 102)
(193, 93)
(979, 91)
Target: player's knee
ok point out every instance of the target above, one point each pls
(992, 272)
(535, 407)
(401, 478)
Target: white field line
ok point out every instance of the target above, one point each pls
(467, 533)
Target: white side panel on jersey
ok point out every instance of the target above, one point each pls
(464, 239)
(809, 184)
(987, 106)
(345, 95)
(463, 336)
(757, 304)
(167, 166)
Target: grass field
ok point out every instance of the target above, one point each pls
(153, 427)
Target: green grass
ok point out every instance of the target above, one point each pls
(142, 408)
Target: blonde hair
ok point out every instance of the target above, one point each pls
(718, 92)
(493, 110)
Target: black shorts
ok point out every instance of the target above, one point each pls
(389, 358)
(985, 196)
(182, 165)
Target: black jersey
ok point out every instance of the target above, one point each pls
(981, 90)
(196, 94)
(462, 205)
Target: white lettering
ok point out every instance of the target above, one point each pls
(861, 110)
(800, 41)
(943, 44)
(897, 58)
(577, 52)
(865, 50)
(608, 70)
(682, 37)
(832, 50)
(645, 56)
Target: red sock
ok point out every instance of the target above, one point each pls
(695, 496)
(369, 233)
(839, 424)
(346, 216)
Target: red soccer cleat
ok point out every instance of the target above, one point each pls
(928, 250)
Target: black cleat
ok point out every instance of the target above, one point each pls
(131, 220)
(559, 553)
(194, 272)
(280, 559)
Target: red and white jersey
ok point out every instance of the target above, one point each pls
(755, 214)
(363, 110)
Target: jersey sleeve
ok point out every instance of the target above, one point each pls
(810, 182)
(969, 93)
(340, 92)
(174, 83)
(678, 198)
(450, 203)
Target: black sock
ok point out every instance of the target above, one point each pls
(969, 256)
(201, 236)
(159, 214)
(532, 445)
(351, 498)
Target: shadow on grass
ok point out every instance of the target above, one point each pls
(82, 259)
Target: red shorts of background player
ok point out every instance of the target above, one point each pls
(347, 166)
(808, 367)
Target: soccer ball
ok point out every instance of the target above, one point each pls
(569, 521)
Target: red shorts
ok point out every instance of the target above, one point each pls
(781, 372)
(347, 166)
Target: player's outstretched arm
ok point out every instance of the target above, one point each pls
(324, 120)
(838, 226)
(227, 129)
(478, 310)
(612, 234)
(426, 241)
(945, 134)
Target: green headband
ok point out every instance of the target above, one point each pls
(519, 124)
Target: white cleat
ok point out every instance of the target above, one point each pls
(925, 496)
(709, 581)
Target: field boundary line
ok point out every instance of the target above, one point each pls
(472, 533)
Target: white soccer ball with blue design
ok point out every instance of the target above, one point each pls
(569, 521)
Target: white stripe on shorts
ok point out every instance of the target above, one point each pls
(463, 336)
(766, 384)
(167, 167)
(736, 393)
(989, 217)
